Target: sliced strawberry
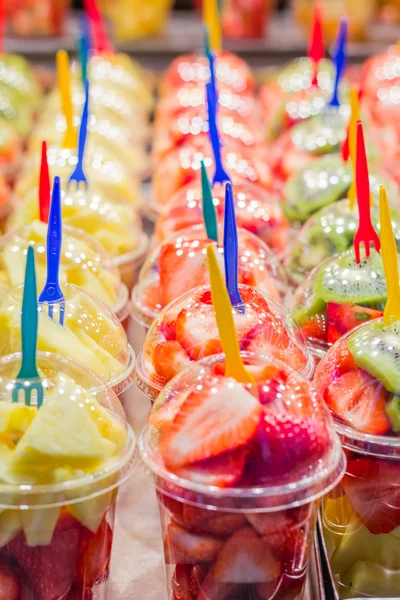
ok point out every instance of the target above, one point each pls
(169, 359)
(245, 559)
(197, 547)
(359, 400)
(168, 327)
(50, 569)
(373, 488)
(161, 416)
(315, 328)
(95, 554)
(197, 332)
(193, 435)
(10, 586)
(269, 337)
(333, 333)
(337, 361)
(344, 317)
(223, 525)
(289, 545)
(187, 580)
(266, 524)
(152, 297)
(223, 470)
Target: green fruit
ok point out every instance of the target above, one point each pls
(393, 412)
(323, 134)
(343, 281)
(366, 578)
(306, 303)
(376, 349)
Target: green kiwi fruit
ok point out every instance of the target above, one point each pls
(323, 182)
(322, 134)
(376, 349)
(306, 303)
(393, 412)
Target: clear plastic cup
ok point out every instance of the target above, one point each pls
(238, 522)
(58, 490)
(186, 331)
(361, 516)
(256, 210)
(337, 296)
(91, 333)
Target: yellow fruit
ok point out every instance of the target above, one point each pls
(10, 525)
(111, 366)
(39, 524)
(15, 419)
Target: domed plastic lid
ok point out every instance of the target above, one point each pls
(330, 231)
(91, 333)
(186, 330)
(266, 449)
(83, 262)
(337, 296)
(256, 210)
(323, 134)
(298, 75)
(64, 439)
(359, 380)
(180, 264)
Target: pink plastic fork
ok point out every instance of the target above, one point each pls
(365, 234)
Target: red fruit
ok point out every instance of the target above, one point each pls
(223, 525)
(10, 586)
(373, 488)
(193, 435)
(165, 414)
(169, 359)
(344, 317)
(197, 331)
(95, 554)
(50, 569)
(168, 327)
(187, 580)
(333, 333)
(270, 523)
(337, 361)
(288, 544)
(270, 338)
(359, 400)
(195, 547)
(316, 328)
(223, 470)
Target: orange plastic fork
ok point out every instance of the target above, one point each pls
(366, 233)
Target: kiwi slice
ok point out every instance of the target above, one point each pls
(393, 412)
(306, 303)
(376, 349)
(322, 134)
(342, 280)
(323, 182)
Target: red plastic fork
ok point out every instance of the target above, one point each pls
(44, 186)
(365, 234)
(316, 50)
(2, 23)
(100, 39)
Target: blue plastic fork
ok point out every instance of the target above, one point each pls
(78, 175)
(211, 63)
(51, 293)
(28, 380)
(340, 60)
(220, 175)
(231, 248)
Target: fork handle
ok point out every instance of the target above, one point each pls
(29, 321)
(54, 239)
(83, 127)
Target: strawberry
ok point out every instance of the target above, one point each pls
(223, 470)
(373, 488)
(50, 569)
(315, 328)
(196, 547)
(289, 545)
(169, 359)
(197, 331)
(187, 580)
(335, 363)
(193, 435)
(269, 337)
(360, 401)
(165, 414)
(266, 524)
(344, 317)
(10, 586)
(223, 525)
(168, 327)
(95, 554)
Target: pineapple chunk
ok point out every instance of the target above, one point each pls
(111, 365)
(39, 524)
(10, 525)
(95, 283)
(15, 419)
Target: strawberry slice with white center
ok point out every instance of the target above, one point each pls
(223, 470)
(164, 415)
(197, 547)
(194, 435)
(169, 359)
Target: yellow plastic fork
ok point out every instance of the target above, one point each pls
(390, 261)
(226, 325)
(64, 86)
(354, 118)
(212, 20)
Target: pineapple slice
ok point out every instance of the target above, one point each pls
(111, 365)
(91, 512)
(5, 334)
(10, 525)
(102, 284)
(15, 419)
(39, 524)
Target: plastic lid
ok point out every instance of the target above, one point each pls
(75, 447)
(277, 451)
(337, 296)
(322, 134)
(117, 227)
(298, 74)
(359, 380)
(180, 263)
(91, 333)
(186, 330)
(329, 231)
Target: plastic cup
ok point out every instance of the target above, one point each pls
(230, 541)
(56, 530)
(360, 518)
(129, 263)
(91, 333)
(178, 336)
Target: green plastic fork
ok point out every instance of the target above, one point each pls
(28, 380)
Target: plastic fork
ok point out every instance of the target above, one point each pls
(211, 63)
(212, 19)
(231, 249)
(64, 86)
(226, 325)
(316, 50)
(28, 380)
(100, 38)
(352, 142)
(44, 186)
(78, 174)
(340, 60)
(390, 261)
(51, 293)
(83, 57)
(365, 233)
(220, 175)
(2, 24)
(209, 214)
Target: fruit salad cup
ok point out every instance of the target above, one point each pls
(83, 263)
(186, 331)
(256, 210)
(238, 479)
(329, 231)
(91, 333)
(337, 296)
(117, 227)
(358, 378)
(61, 468)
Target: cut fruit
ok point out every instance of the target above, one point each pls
(376, 349)
(163, 413)
(195, 547)
(371, 579)
(306, 303)
(345, 317)
(10, 584)
(38, 525)
(10, 526)
(393, 412)
(223, 470)
(337, 361)
(169, 359)
(94, 556)
(197, 332)
(271, 338)
(15, 419)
